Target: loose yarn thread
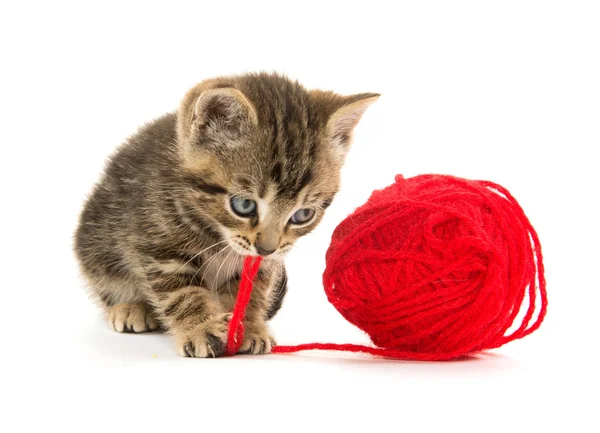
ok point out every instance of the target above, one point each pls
(235, 336)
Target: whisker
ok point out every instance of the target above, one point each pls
(216, 279)
(229, 269)
(196, 255)
(210, 259)
(299, 249)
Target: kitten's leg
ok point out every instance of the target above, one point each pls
(197, 322)
(277, 292)
(125, 305)
(131, 318)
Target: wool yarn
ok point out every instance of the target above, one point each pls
(432, 267)
(235, 335)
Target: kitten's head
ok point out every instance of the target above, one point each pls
(262, 156)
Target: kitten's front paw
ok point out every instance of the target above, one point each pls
(131, 318)
(206, 340)
(257, 341)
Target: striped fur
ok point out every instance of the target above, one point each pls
(158, 241)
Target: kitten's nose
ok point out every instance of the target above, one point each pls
(262, 251)
(266, 242)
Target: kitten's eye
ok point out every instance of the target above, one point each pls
(302, 216)
(243, 206)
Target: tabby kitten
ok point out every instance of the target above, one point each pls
(246, 166)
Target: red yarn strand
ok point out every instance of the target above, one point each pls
(235, 336)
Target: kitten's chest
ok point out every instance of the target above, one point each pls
(221, 268)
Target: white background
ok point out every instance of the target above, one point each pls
(506, 91)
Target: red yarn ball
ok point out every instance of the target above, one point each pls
(435, 267)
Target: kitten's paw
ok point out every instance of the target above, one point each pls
(206, 340)
(257, 341)
(131, 318)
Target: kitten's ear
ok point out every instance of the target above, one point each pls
(225, 107)
(342, 122)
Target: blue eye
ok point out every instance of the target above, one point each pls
(243, 207)
(302, 216)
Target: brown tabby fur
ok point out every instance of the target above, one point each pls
(158, 242)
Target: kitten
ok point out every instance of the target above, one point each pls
(246, 166)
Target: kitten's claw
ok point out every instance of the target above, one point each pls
(189, 349)
(206, 340)
(131, 318)
(257, 341)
